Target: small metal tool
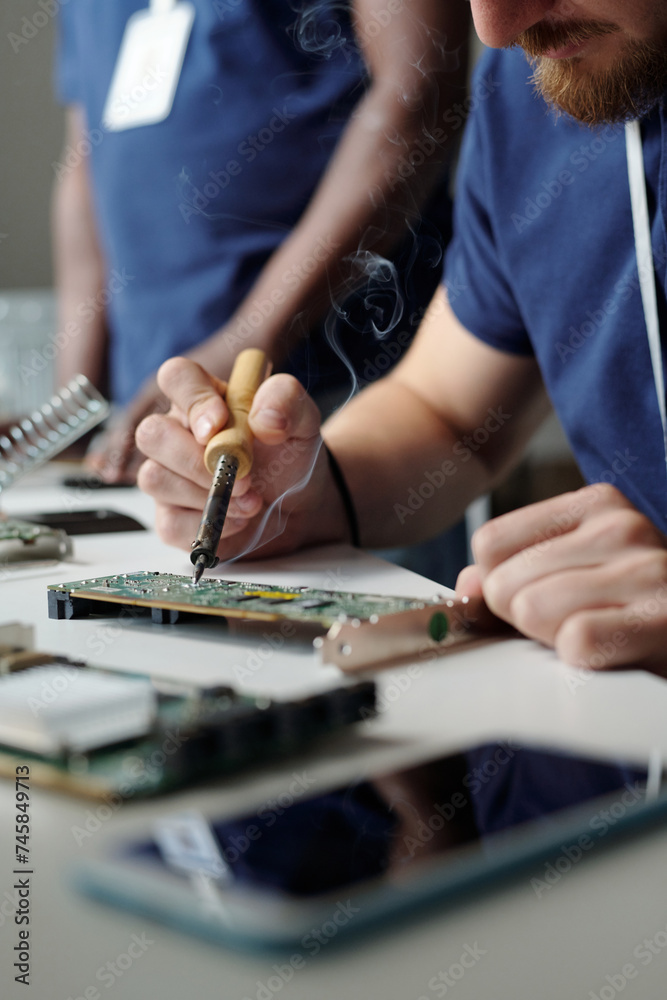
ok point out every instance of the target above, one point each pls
(228, 455)
(69, 414)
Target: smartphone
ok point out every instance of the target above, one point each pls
(87, 522)
(314, 864)
(93, 482)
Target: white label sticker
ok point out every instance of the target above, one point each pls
(187, 844)
(148, 68)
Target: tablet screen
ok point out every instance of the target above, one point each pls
(304, 843)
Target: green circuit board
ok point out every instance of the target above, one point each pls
(222, 598)
(22, 541)
(130, 735)
(24, 531)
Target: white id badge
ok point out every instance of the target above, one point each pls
(149, 65)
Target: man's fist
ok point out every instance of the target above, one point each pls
(584, 572)
(287, 501)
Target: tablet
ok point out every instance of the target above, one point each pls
(310, 865)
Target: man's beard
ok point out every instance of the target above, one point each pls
(627, 89)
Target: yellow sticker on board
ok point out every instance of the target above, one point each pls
(271, 593)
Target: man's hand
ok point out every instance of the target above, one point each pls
(584, 572)
(288, 500)
(113, 455)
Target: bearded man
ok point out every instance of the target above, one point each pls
(556, 280)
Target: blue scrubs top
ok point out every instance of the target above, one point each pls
(543, 263)
(189, 210)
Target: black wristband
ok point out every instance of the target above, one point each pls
(348, 504)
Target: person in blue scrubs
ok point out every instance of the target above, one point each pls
(558, 262)
(302, 165)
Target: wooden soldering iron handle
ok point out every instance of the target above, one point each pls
(250, 369)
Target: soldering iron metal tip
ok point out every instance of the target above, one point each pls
(200, 566)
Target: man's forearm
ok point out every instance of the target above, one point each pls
(409, 474)
(79, 272)
(374, 188)
(443, 427)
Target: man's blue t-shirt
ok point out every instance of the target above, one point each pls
(188, 210)
(543, 263)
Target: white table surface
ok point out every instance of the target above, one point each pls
(571, 942)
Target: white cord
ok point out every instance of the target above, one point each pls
(644, 252)
(654, 776)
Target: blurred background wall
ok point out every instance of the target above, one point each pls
(31, 130)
